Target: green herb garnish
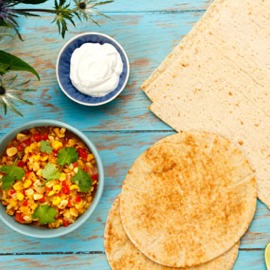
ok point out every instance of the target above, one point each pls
(11, 174)
(67, 155)
(45, 147)
(83, 180)
(50, 172)
(45, 214)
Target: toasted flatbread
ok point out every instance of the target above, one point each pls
(123, 255)
(188, 199)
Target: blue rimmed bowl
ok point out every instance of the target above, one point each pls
(43, 232)
(63, 69)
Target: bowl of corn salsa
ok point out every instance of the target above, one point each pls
(51, 179)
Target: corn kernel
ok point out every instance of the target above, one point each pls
(36, 157)
(90, 157)
(72, 142)
(27, 183)
(74, 212)
(59, 133)
(33, 206)
(56, 200)
(29, 191)
(56, 145)
(36, 166)
(50, 184)
(37, 196)
(74, 187)
(39, 172)
(11, 151)
(80, 163)
(25, 158)
(57, 187)
(21, 137)
(44, 158)
(52, 192)
(12, 203)
(27, 150)
(76, 169)
(79, 205)
(25, 210)
(63, 204)
(19, 196)
(17, 186)
(27, 218)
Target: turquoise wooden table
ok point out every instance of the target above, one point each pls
(121, 130)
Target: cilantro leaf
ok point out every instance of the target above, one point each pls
(50, 172)
(45, 214)
(83, 180)
(67, 155)
(45, 147)
(11, 174)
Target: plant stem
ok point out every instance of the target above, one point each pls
(33, 10)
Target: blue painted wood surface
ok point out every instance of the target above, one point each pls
(121, 130)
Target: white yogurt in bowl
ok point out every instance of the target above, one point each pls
(92, 69)
(95, 69)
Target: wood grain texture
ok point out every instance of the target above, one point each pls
(121, 130)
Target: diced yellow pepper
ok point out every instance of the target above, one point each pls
(57, 187)
(33, 206)
(56, 200)
(52, 192)
(27, 183)
(19, 196)
(18, 186)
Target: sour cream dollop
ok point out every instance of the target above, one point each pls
(95, 69)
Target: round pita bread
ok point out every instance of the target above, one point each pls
(123, 255)
(188, 199)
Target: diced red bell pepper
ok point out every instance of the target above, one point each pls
(65, 223)
(21, 164)
(94, 176)
(19, 217)
(82, 153)
(12, 191)
(42, 200)
(65, 188)
(78, 199)
(25, 203)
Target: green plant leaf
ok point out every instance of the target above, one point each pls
(45, 147)
(33, 2)
(67, 155)
(50, 172)
(11, 174)
(83, 180)
(45, 214)
(9, 62)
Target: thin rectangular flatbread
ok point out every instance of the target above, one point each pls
(238, 33)
(184, 44)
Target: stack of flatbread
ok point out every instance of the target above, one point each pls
(185, 204)
(218, 80)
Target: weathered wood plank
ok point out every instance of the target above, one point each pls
(247, 260)
(147, 40)
(123, 6)
(118, 152)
